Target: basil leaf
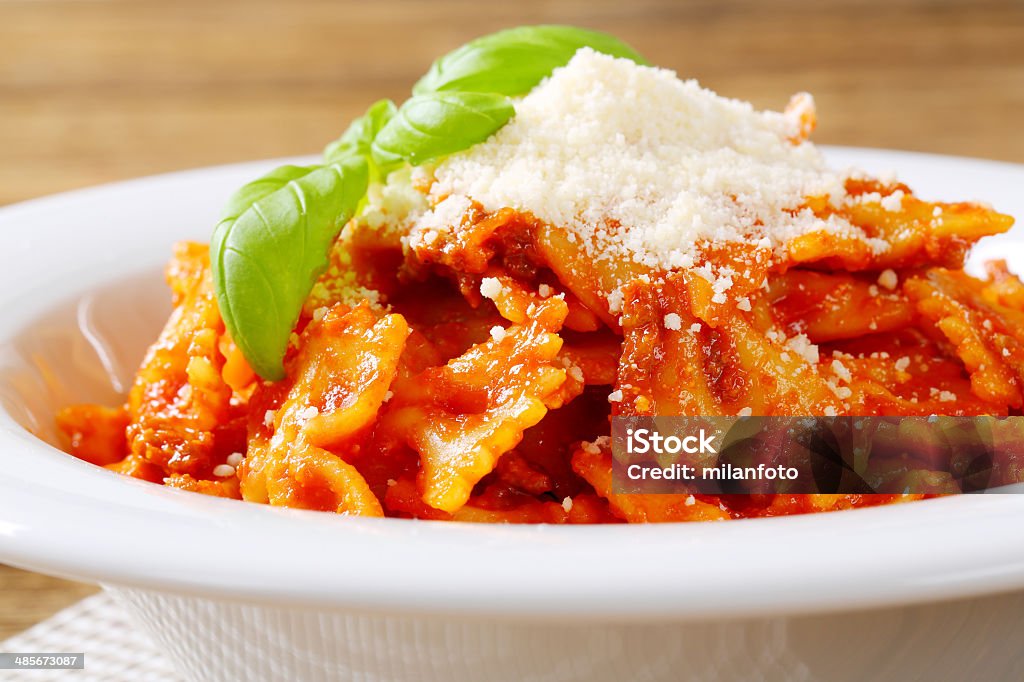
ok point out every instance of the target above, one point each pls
(513, 61)
(276, 233)
(439, 123)
(359, 136)
(270, 247)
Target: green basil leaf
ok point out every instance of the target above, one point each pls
(359, 136)
(513, 61)
(440, 123)
(270, 247)
(276, 233)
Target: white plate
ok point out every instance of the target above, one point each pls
(59, 515)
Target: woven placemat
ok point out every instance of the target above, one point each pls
(115, 650)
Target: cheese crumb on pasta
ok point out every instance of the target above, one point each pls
(638, 163)
(889, 279)
(673, 322)
(490, 287)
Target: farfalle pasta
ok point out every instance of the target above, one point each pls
(625, 244)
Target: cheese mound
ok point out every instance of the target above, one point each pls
(636, 162)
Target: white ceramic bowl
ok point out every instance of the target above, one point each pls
(235, 591)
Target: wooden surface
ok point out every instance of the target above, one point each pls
(93, 91)
(26, 598)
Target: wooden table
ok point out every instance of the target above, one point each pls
(93, 90)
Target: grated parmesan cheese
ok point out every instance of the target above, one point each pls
(841, 392)
(889, 279)
(391, 206)
(490, 287)
(893, 202)
(615, 299)
(803, 347)
(635, 162)
(841, 371)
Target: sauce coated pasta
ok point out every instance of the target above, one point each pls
(482, 317)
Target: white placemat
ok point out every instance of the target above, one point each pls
(115, 650)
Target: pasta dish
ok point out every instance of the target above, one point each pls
(439, 320)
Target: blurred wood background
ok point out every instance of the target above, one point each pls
(99, 90)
